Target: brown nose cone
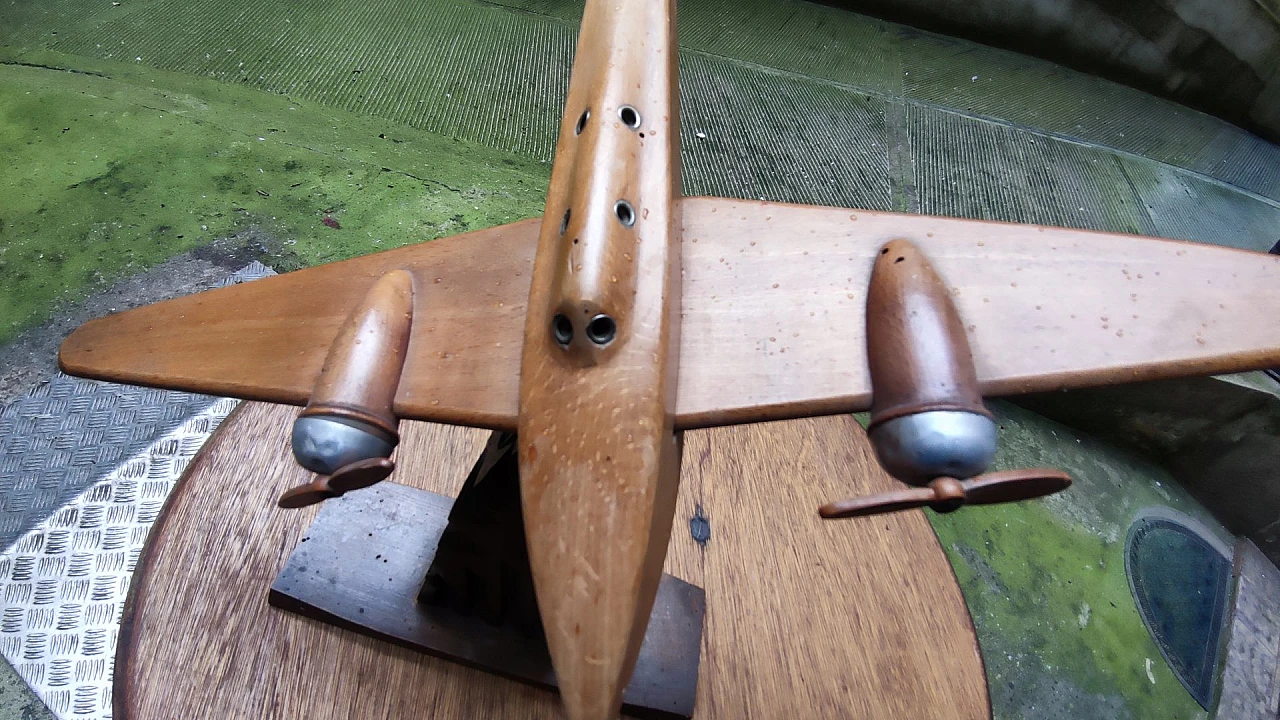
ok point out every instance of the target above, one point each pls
(362, 371)
(916, 345)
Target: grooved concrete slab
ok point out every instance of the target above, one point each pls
(748, 133)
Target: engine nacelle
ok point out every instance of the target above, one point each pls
(927, 415)
(349, 427)
(928, 424)
(325, 444)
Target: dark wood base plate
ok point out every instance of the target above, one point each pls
(363, 560)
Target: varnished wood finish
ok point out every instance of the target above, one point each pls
(1044, 309)
(267, 339)
(774, 297)
(599, 464)
(362, 371)
(1014, 485)
(946, 494)
(805, 618)
(1250, 688)
(917, 353)
(357, 475)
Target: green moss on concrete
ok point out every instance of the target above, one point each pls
(116, 171)
(1046, 584)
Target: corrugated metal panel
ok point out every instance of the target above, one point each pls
(1017, 89)
(1241, 159)
(457, 68)
(496, 72)
(813, 40)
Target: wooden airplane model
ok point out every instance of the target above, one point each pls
(630, 313)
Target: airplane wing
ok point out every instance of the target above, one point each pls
(775, 300)
(773, 323)
(267, 339)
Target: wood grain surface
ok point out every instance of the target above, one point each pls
(268, 339)
(774, 299)
(598, 457)
(775, 302)
(805, 618)
(918, 354)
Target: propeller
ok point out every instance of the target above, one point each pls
(946, 494)
(929, 426)
(349, 428)
(357, 475)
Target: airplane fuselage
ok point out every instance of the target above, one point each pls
(599, 459)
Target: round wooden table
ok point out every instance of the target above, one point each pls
(805, 618)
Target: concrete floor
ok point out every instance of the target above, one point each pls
(16, 701)
(184, 123)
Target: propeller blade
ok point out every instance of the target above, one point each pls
(360, 474)
(1014, 485)
(906, 499)
(304, 495)
(355, 476)
(945, 494)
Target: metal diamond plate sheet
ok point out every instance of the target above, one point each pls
(85, 468)
(68, 433)
(65, 581)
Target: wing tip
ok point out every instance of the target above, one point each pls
(76, 353)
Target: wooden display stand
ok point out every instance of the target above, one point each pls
(452, 579)
(804, 618)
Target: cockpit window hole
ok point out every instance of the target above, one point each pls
(562, 329)
(602, 329)
(626, 214)
(629, 116)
